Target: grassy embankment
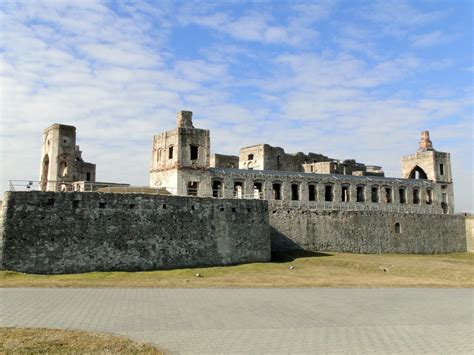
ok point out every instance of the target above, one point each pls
(309, 270)
(54, 341)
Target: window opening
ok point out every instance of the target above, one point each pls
(418, 173)
(192, 188)
(441, 169)
(194, 152)
(250, 157)
(345, 193)
(444, 197)
(63, 169)
(429, 197)
(402, 195)
(216, 188)
(360, 193)
(398, 228)
(238, 187)
(375, 194)
(416, 196)
(444, 207)
(88, 176)
(276, 191)
(388, 195)
(328, 196)
(170, 152)
(257, 190)
(312, 192)
(295, 195)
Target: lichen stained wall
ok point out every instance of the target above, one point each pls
(48, 232)
(366, 231)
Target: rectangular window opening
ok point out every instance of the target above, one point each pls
(238, 187)
(402, 195)
(295, 195)
(328, 196)
(416, 196)
(388, 195)
(276, 191)
(375, 194)
(170, 152)
(345, 193)
(429, 197)
(257, 191)
(360, 193)
(216, 188)
(441, 169)
(194, 152)
(312, 192)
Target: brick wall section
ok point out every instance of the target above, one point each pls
(366, 232)
(48, 232)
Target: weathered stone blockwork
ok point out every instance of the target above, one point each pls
(48, 232)
(366, 231)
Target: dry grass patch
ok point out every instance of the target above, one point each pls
(309, 270)
(54, 341)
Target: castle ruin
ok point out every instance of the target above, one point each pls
(204, 209)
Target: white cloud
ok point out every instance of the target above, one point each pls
(429, 39)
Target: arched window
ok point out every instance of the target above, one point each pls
(418, 173)
(398, 228)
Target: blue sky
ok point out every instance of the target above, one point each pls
(349, 79)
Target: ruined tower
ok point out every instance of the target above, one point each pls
(429, 164)
(179, 155)
(61, 159)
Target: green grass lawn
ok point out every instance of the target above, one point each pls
(308, 270)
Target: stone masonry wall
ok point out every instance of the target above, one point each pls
(48, 232)
(470, 232)
(366, 231)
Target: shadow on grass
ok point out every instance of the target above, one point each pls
(287, 256)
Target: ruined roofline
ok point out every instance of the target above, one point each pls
(276, 173)
(284, 152)
(59, 126)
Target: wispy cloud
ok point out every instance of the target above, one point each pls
(429, 39)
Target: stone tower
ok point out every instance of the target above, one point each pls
(178, 153)
(61, 160)
(427, 163)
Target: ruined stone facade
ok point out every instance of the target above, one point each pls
(61, 160)
(225, 209)
(268, 173)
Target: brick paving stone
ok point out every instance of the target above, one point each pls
(258, 321)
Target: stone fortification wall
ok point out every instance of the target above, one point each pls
(470, 232)
(48, 232)
(366, 231)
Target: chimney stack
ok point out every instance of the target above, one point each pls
(425, 142)
(184, 119)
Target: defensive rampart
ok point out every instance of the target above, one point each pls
(51, 232)
(366, 231)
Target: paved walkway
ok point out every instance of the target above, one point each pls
(258, 321)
